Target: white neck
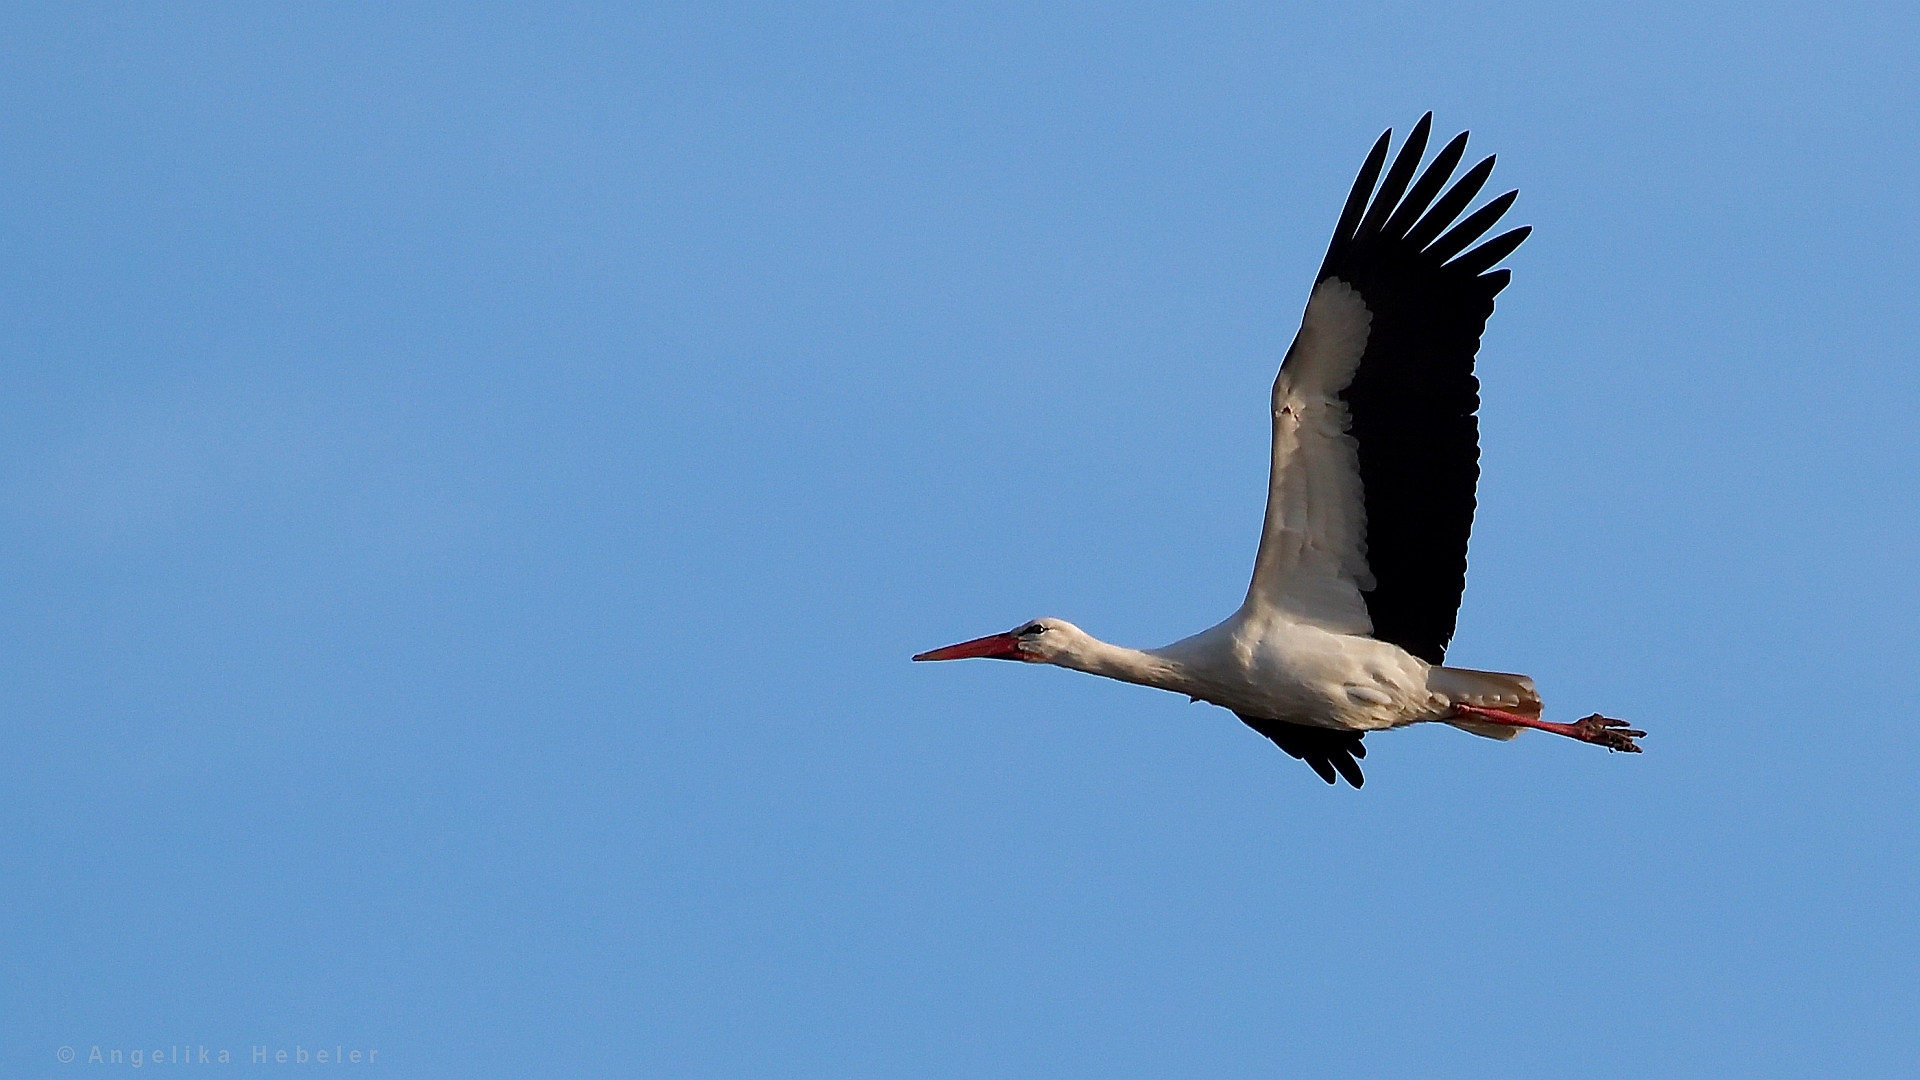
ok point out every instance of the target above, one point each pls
(1096, 657)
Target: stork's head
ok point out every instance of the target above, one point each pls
(1041, 641)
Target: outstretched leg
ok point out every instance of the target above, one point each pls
(1603, 730)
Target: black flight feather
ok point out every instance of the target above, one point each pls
(1425, 188)
(1395, 185)
(1357, 198)
(1449, 206)
(1326, 750)
(1473, 228)
(1484, 256)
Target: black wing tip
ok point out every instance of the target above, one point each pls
(1420, 196)
(1350, 769)
(1384, 204)
(1399, 175)
(1471, 228)
(1332, 754)
(1357, 199)
(1448, 206)
(1338, 761)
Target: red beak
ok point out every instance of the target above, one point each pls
(993, 647)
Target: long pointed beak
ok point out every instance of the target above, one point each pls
(993, 647)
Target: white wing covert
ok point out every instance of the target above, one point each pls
(1312, 563)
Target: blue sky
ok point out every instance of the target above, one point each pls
(473, 478)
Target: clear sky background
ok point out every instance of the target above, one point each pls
(472, 480)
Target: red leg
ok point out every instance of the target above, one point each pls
(1602, 730)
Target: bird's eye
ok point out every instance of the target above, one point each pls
(1036, 628)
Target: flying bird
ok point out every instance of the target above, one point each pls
(1363, 556)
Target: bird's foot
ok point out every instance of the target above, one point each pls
(1608, 732)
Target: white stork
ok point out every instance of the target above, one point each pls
(1363, 556)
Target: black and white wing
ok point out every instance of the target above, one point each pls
(1375, 443)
